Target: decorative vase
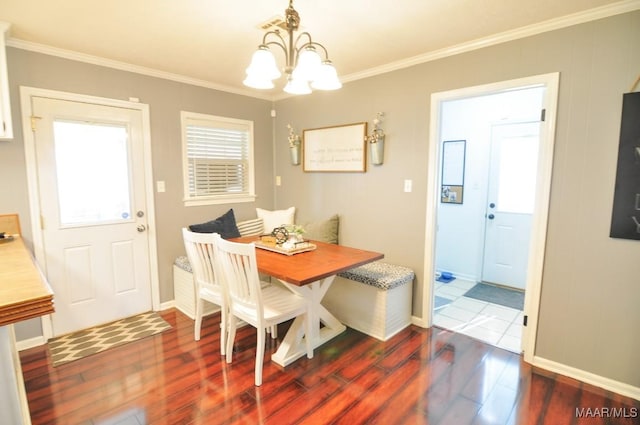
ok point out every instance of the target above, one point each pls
(294, 151)
(377, 151)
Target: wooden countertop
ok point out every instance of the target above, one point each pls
(24, 291)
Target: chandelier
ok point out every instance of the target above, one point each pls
(305, 68)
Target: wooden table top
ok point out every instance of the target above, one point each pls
(307, 267)
(24, 292)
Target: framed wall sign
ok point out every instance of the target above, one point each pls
(453, 158)
(335, 149)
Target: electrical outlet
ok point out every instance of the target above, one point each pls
(278, 181)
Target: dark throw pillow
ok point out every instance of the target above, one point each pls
(225, 226)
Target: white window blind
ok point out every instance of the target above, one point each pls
(217, 159)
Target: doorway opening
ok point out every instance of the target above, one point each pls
(485, 244)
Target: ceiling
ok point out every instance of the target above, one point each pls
(210, 42)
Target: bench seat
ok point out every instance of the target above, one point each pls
(184, 291)
(374, 299)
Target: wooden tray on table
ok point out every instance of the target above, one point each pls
(298, 248)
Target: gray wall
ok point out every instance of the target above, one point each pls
(165, 99)
(589, 314)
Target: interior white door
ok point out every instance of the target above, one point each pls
(511, 198)
(92, 198)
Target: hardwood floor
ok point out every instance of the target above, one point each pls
(421, 376)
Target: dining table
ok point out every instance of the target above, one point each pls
(309, 274)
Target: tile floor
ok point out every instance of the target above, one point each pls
(495, 324)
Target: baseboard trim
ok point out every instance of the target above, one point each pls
(30, 343)
(588, 377)
(167, 305)
(572, 372)
(419, 321)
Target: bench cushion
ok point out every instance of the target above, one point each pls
(183, 263)
(381, 275)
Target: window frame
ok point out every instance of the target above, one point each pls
(214, 121)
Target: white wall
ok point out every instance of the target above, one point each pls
(460, 237)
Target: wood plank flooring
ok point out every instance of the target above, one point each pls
(421, 376)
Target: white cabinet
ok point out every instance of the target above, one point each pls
(6, 129)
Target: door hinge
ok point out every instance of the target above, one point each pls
(42, 222)
(524, 320)
(34, 120)
(543, 114)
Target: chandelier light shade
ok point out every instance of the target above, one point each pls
(305, 68)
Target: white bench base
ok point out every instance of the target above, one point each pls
(376, 312)
(184, 294)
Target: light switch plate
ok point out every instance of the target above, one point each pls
(408, 185)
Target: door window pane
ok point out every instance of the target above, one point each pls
(92, 166)
(518, 168)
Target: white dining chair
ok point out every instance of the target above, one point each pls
(200, 252)
(260, 306)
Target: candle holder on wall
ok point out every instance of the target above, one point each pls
(294, 146)
(376, 141)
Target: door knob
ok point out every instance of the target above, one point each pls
(491, 216)
(141, 228)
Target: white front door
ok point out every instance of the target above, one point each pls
(90, 170)
(511, 198)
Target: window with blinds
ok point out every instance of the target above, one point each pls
(217, 159)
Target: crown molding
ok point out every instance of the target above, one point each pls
(492, 40)
(124, 66)
(618, 8)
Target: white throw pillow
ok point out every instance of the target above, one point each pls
(273, 219)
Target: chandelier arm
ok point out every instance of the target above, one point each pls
(280, 42)
(302, 34)
(276, 34)
(326, 53)
(276, 43)
(309, 43)
(314, 44)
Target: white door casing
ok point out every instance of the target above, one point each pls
(542, 195)
(510, 202)
(100, 268)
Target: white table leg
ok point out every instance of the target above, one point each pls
(293, 346)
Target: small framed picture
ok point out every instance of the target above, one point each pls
(453, 163)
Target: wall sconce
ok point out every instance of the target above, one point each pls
(376, 141)
(294, 146)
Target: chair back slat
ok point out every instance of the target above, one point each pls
(239, 266)
(200, 252)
